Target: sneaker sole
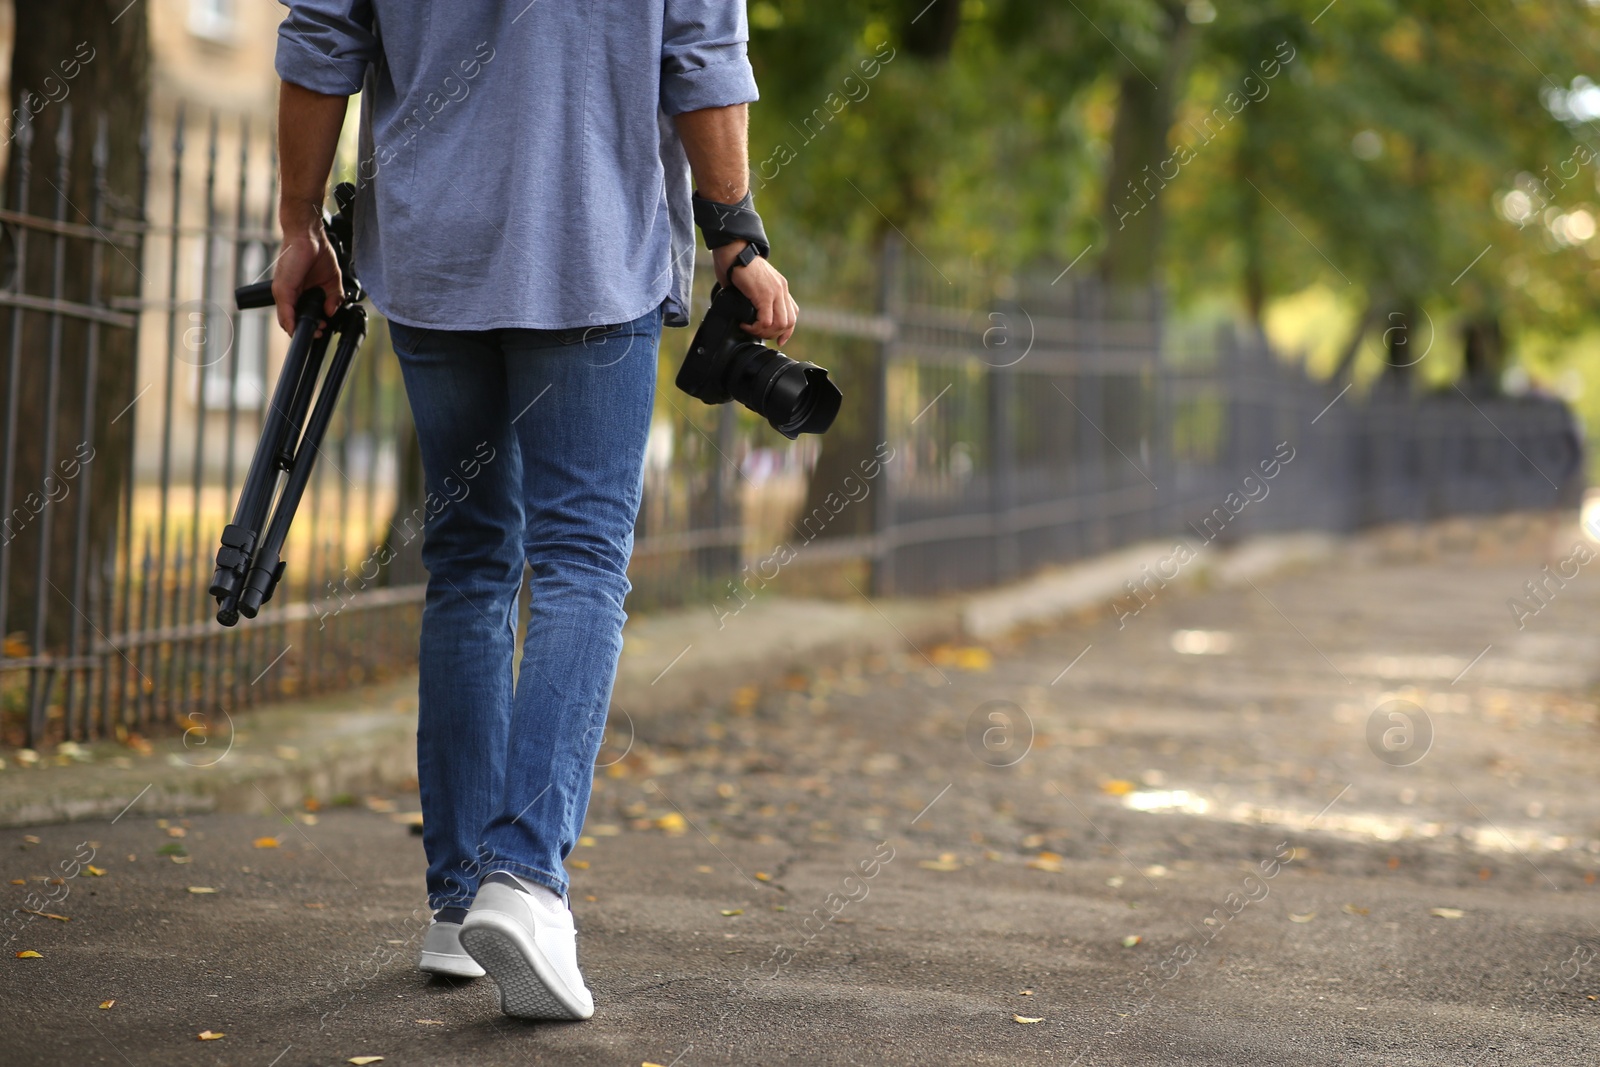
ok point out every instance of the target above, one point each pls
(528, 985)
(449, 965)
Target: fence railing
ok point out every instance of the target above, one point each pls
(999, 428)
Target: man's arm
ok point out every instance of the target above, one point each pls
(716, 140)
(308, 135)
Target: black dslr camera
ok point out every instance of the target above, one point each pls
(725, 363)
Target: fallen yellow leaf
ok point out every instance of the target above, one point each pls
(266, 842)
(1307, 917)
(104, 1004)
(46, 915)
(96, 871)
(974, 659)
(1446, 913)
(1131, 940)
(1353, 910)
(947, 861)
(29, 954)
(1026, 1019)
(672, 823)
(1046, 861)
(582, 865)
(19, 881)
(1117, 787)
(360, 1060)
(177, 831)
(763, 876)
(731, 912)
(211, 1035)
(201, 889)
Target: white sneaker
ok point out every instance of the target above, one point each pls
(526, 940)
(442, 952)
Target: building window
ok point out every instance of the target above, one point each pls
(215, 20)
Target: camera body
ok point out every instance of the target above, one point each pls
(726, 363)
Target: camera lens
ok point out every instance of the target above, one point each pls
(793, 397)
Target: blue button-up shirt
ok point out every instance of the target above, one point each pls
(517, 163)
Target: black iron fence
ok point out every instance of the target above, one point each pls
(1000, 427)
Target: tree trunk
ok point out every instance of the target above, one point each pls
(1131, 261)
(1483, 354)
(79, 68)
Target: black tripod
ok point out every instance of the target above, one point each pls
(248, 563)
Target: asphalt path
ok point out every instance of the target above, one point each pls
(1344, 817)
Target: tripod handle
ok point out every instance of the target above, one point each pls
(257, 295)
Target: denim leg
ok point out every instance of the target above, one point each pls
(582, 445)
(472, 548)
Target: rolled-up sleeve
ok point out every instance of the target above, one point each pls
(703, 60)
(325, 45)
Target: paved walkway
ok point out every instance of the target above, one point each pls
(1343, 815)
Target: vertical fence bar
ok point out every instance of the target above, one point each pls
(164, 473)
(24, 175)
(91, 370)
(42, 679)
(889, 307)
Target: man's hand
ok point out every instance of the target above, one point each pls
(307, 262)
(776, 311)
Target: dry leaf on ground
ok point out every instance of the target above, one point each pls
(29, 954)
(1026, 1019)
(1446, 913)
(45, 914)
(947, 861)
(1131, 940)
(265, 842)
(201, 889)
(359, 1061)
(1307, 917)
(211, 1035)
(106, 1004)
(731, 912)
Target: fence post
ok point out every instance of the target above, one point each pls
(882, 577)
(1000, 417)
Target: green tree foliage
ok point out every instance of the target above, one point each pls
(1241, 150)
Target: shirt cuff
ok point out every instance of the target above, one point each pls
(719, 85)
(307, 66)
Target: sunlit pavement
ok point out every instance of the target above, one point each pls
(1343, 816)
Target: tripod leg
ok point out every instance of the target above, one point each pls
(351, 323)
(261, 482)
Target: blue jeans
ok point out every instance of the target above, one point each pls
(533, 450)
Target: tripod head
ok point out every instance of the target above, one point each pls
(248, 563)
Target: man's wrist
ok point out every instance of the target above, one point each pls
(721, 224)
(299, 213)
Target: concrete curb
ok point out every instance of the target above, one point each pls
(364, 741)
